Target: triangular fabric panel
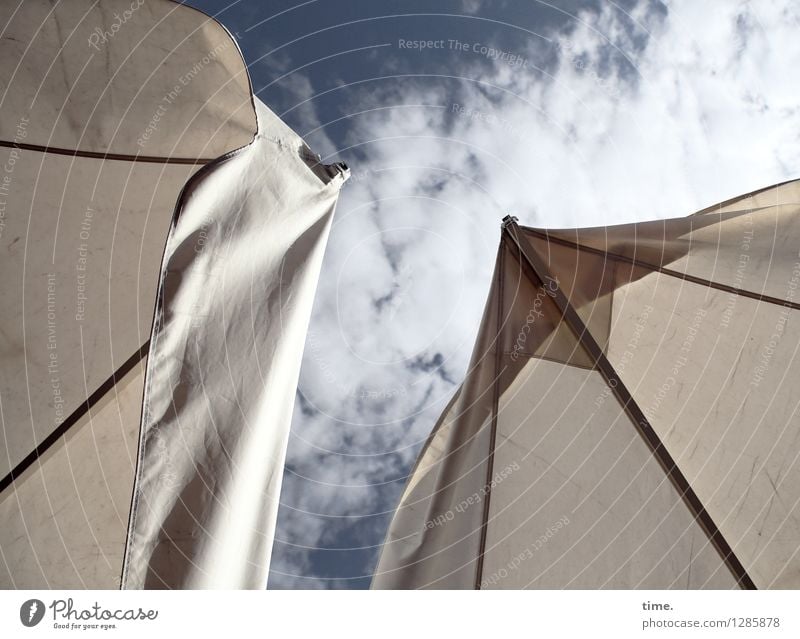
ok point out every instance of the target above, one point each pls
(584, 503)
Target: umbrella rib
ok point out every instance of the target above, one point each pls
(528, 255)
(493, 433)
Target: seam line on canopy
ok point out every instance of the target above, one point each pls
(666, 271)
(152, 159)
(74, 417)
(527, 254)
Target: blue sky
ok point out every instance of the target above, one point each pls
(564, 113)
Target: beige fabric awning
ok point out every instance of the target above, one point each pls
(237, 286)
(630, 415)
(119, 119)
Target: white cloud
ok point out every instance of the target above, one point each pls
(472, 6)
